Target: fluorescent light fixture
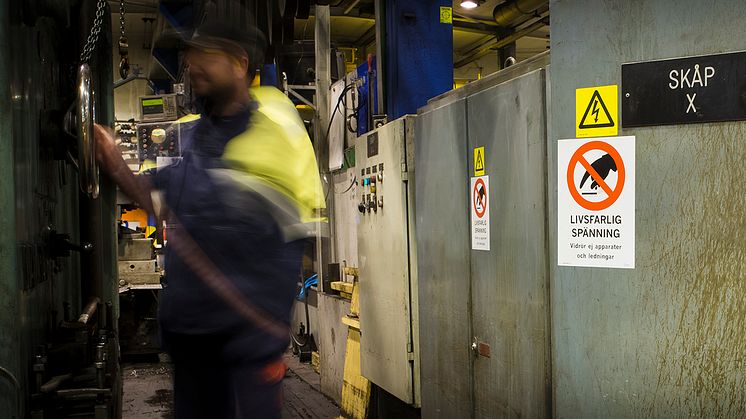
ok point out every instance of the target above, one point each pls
(469, 4)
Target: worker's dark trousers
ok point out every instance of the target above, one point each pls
(213, 379)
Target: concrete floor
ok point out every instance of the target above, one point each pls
(148, 393)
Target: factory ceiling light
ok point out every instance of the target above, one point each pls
(470, 4)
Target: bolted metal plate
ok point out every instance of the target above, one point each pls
(136, 266)
(136, 249)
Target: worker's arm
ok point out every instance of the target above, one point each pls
(138, 188)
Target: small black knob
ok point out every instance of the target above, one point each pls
(361, 207)
(60, 245)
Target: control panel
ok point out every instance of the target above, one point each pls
(389, 342)
(158, 139)
(158, 108)
(371, 182)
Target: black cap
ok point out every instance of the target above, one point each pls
(232, 39)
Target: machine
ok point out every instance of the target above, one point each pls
(388, 262)
(158, 139)
(58, 300)
(141, 265)
(157, 134)
(158, 108)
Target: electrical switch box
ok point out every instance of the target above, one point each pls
(387, 259)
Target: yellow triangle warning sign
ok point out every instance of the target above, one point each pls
(596, 111)
(596, 119)
(479, 161)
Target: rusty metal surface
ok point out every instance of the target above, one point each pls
(666, 339)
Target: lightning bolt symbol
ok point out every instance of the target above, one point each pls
(595, 110)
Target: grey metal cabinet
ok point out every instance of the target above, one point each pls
(387, 260)
(443, 269)
(496, 299)
(509, 283)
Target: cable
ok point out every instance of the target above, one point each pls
(354, 181)
(328, 130)
(12, 378)
(336, 108)
(312, 280)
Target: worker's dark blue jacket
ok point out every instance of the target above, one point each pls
(238, 229)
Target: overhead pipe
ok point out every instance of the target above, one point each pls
(507, 13)
(486, 50)
(351, 6)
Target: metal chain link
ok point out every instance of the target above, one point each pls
(121, 19)
(90, 44)
(124, 63)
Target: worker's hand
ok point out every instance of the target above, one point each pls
(105, 144)
(111, 161)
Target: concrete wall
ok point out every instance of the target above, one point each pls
(667, 338)
(332, 339)
(326, 316)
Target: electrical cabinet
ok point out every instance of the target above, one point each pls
(485, 313)
(387, 259)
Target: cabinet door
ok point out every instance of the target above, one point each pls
(509, 283)
(443, 262)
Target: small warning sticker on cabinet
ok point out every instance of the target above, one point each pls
(480, 213)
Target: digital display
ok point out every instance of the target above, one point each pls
(152, 106)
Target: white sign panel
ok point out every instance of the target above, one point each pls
(596, 202)
(480, 213)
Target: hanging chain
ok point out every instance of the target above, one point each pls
(124, 62)
(90, 44)
(121, 19)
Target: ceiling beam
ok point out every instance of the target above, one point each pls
(499, 43)
(367, 38)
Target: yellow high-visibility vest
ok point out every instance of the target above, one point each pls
(275, 158)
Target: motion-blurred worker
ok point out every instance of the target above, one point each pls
(237, 207)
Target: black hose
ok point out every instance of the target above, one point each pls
(17, 384)
(308, 325)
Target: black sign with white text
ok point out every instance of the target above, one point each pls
(707, 88)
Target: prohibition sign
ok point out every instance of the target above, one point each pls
(578, 158)
(480, 200)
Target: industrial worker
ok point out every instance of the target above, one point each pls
(237, 207)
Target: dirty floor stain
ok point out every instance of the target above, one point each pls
(148, 392)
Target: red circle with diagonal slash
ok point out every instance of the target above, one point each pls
(477, 199)
(578, 158)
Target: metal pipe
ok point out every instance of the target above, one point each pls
(17, 384)
(55, 383)
(351, 6)
(507, 13)
(499, 44)
(89, 310)
(131, 77)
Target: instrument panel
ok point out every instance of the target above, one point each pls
(158, 139)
